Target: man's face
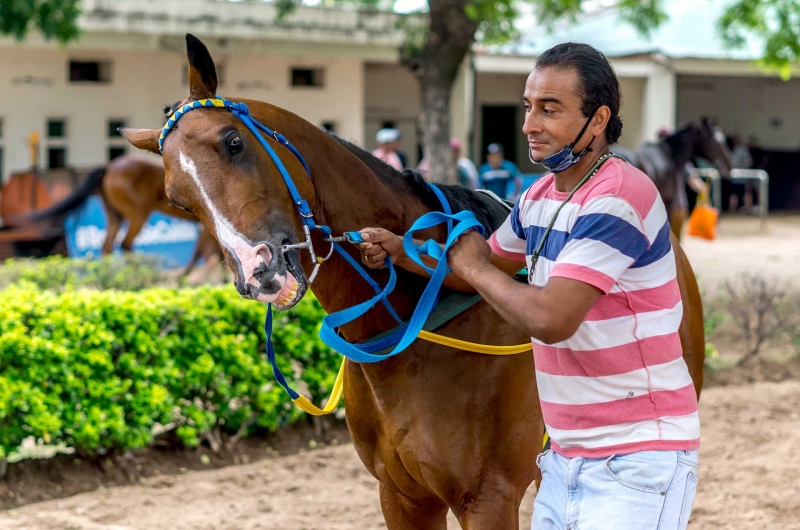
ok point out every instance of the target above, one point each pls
(553, 115)
(495, 159)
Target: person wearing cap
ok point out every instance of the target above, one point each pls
(388, 144)
(497, 173)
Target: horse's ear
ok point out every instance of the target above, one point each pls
(145, 139)
(202, 74)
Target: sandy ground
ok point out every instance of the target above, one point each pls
(743, 247)
(749, 480)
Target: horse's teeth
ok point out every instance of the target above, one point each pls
(294, 286)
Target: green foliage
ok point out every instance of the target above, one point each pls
(55, 18)
(644, 15)
(777, 22)
(129, 272)
(98, 370)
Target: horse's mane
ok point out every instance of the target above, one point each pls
(489, 212)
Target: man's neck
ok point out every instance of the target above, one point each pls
(568, 179)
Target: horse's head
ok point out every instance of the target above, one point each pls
(712, 146)
(216, 169)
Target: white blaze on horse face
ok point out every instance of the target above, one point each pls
(248, 255)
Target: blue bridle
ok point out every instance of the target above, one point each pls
(405, 334)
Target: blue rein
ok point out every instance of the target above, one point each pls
(403, 336)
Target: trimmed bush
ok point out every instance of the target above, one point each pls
(128, 272)
(98, 370)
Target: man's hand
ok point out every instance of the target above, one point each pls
(469, 255)
(378, 245)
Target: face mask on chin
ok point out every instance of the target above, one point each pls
(566, 158)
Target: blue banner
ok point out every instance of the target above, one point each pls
(169, 237)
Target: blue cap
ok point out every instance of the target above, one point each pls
(494, 149)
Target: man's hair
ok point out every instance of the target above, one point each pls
(599, 85)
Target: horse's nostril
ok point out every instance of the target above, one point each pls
(260, 271)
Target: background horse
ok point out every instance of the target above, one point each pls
(439, 428)
(133, 187)
(665, 161)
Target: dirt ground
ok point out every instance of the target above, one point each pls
(742, 247)
(749, 463)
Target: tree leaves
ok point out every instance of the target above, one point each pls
(56, 19)
(777, 22)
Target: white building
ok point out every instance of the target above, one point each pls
(327, 65)
(338, 68)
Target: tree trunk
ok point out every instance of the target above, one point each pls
(449, 38)
(435, 121)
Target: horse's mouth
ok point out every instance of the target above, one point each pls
(296, 284)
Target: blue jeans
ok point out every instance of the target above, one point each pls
(648, 490)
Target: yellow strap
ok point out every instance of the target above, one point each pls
(544, 439)
(473, 347)
(333, 400)
(338, 387)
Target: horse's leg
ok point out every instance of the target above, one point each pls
(402, 513)
(114, 222)
(135, 226)
(494, 507)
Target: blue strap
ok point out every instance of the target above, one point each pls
(271, 356)
(465, 221)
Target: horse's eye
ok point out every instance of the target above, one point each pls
(235, 145)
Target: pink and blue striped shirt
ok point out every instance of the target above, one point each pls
(620, 384)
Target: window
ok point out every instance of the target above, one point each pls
(115, 152)
(56, 157)
(56, 128)
(90, 71)
(329, 126)
(308, 77)
(113, 128)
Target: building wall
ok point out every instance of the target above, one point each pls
(35, 87)
(763, 107)
(391, 96)
(632, 111)
(507, 89)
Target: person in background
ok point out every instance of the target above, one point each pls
(465, 165)
(497, 173)
(388, 145)
(465, 169)
(741, 193)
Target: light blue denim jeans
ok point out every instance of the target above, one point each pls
(648, 490)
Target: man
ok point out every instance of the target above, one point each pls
(497, 173)
(602, 307)
(388, 144)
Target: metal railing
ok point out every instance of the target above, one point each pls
(740, 175)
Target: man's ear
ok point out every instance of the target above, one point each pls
(145, 139)
(600, 120)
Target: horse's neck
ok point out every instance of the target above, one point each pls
(349, 197)
(681, 147)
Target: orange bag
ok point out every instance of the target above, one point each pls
(703, 221)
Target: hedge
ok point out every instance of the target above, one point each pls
(99, 370)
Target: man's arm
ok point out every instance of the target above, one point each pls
(380, 244)
(551, 314)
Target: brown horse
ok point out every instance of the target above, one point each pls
(439, 428)
(133, 187)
